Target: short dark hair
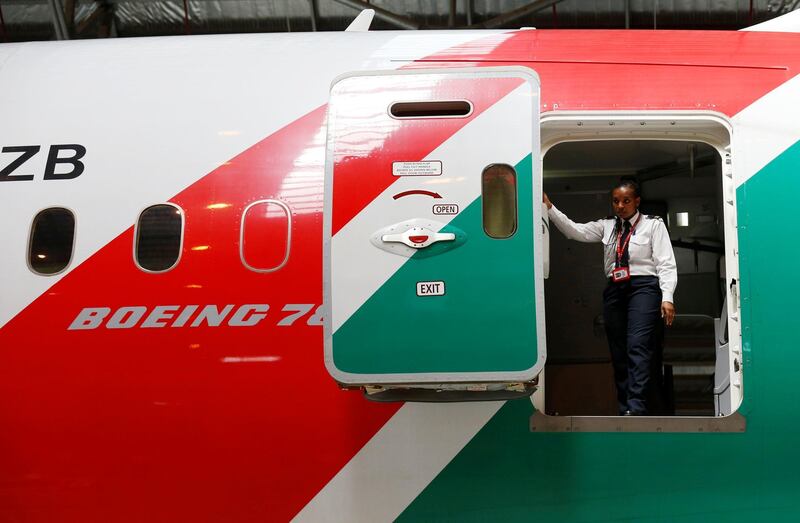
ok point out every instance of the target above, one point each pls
(628, 183)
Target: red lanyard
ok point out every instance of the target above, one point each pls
(621, 246)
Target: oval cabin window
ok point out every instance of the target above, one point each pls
(159, 237)
(52, 241)
(266, 236)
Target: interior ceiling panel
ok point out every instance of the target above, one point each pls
(23, 20)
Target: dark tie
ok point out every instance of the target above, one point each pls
(626, 229)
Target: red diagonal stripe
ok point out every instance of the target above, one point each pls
(103, 417)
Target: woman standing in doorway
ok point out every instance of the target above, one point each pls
(642, 277)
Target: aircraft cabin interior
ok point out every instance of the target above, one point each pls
(681, 182)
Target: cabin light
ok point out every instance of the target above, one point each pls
(41, 256)
(682, 218)
(194, 286)
(194, 345)
(201, 247)
(218, 206)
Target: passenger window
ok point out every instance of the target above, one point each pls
(52, 241)
(499, 196)
(266, 236)
(159, 237)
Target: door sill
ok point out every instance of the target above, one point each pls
(542, 423)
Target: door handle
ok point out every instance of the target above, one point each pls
(419, 237)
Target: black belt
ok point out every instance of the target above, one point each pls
(639, 277)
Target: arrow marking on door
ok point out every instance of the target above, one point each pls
(417, 191)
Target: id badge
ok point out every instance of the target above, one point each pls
(620, 274)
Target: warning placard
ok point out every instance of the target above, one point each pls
(431, 168)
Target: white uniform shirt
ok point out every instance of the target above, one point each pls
(650, 250)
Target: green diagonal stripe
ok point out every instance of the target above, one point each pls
(508, 473)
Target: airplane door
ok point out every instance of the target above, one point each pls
(432, 228)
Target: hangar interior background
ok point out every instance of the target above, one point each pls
(25, 20)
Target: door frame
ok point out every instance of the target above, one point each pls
(716, 130)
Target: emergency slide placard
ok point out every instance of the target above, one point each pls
(432, 168)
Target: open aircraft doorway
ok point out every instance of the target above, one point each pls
(684, 169)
